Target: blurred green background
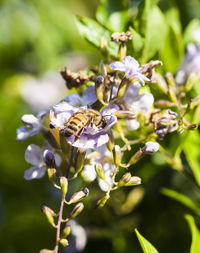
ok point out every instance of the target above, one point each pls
(40, 37)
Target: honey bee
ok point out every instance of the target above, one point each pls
(76, 124)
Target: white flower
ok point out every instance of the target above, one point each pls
(105, 158)
(131, 67)
(150, 147)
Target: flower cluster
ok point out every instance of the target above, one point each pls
(89, 133)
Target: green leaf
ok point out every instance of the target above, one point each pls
(137, 42)
(173, 49)
(93, 32)
(147, 247)
(189, 30)
(152, 26)
(182, 199)
(113, 14)
(192, 153)
(195, 246)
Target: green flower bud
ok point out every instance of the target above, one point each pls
(64, 242)
(125, 114)
(191, 81)
(122, 51)
(104, 46)
(102, 201)
(136, 157)
(66, 231)
(124, 179)
(49, 213)
(133, 181)
(172, 94)
(99, 171)
(52, 174)
(110, 144)
(117, 155)
(99, 88)
(125, 83)
(80, 159)
(77, 196)
(77, 210)
(102, 69)
(170, 79)
(64, 185)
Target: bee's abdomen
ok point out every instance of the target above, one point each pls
(75, 124)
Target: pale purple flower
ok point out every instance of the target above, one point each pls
(136, 102)
(35, 156)
(92, 136)
(131, 67)
(32, 126)
(191, 60)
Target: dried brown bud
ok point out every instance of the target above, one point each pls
(74, 80)
(121, 37)
(148, 69)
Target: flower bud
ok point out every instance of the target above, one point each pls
(64, 185)
(125, 114)
(170, 79)
(49, 213)
(164, 103)
(99, 88)
(192, 126)
(110, 144)
(80, 159)
(104, 46)
(150, 148)
(65, 146)
(46, 251)
(124, 179)
(66, 231)
(172, 94)
(117, 155)
(123, 87)
(77, 210)
(77, 196)
(52, 175)
(102, 201)
(64, 242)
(99, 171)
(133, 181)
(102, 69)
(191, 81)
(122, 51)
(49, 159)
(136, 157)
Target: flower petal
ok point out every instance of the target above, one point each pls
(132, 124)
(142, 103)
(34, 155)
(130, 62)
(34, 172)
(117, 65)
(24, 133)
(73, 99)
(89, 172)
(29, 119)
(89, 96)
